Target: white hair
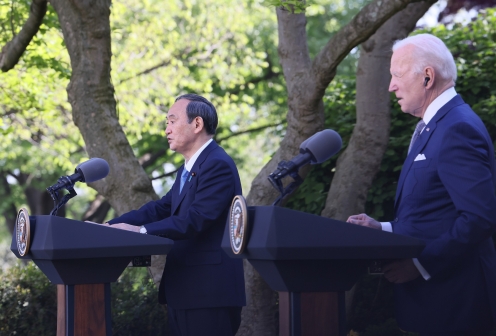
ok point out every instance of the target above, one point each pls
(430, 51)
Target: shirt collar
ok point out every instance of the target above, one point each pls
(191, 162)
(437, 103)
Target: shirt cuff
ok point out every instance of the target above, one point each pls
(421, 269)
(386, 226)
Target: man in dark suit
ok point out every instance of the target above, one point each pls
(445, 197)
(202, 286)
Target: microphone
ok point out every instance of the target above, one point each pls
(89, 171)
(316, 149)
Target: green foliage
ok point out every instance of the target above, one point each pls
(294, 6)
(373, 301)
(28, 303)
(135, 307)
(5, 235)
(373, 309)
(324, 19)
(474, 49)
(38, 138)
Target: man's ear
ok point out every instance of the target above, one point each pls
(198, 122)
(429, 77)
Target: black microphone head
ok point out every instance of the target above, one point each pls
(322, 145)
(93, 170)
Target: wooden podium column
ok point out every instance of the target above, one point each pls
(60, 310)
(312, 314)
(83, 310)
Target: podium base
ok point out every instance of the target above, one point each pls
(84, 310)
(312, 314)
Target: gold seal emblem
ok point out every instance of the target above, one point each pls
(23, 232)
(238, 224)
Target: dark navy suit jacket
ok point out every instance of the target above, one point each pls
(448, 200)
(197, 274)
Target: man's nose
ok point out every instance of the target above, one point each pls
(392, 86)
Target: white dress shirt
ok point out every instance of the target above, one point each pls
(188, 165)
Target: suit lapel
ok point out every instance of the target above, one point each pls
(422, 142)
(193, 174)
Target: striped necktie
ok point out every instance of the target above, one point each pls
(416, 134)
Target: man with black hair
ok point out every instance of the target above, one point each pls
(202, 286)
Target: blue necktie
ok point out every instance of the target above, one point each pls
(184, 176)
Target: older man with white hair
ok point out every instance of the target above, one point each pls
(445, 197)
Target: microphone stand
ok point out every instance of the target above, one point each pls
(275, 179)
(55, 195)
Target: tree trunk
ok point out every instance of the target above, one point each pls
(86, 29)
(305, 117)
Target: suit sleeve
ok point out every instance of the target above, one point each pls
(466, 172)
(214, 193)
(150, 212)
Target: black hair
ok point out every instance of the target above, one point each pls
(199, 106)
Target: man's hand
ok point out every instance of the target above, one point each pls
(401, 271)
(364, 220)
(124, 226)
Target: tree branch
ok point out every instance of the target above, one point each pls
(97, 211)
(149, 158)
(165, 175)
(146, 71)
(250, 130)
(13, 50)
(358, 30)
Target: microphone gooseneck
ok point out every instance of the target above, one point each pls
(89, 171)
(315, 150)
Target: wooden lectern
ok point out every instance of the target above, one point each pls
(311, 261)
(83, 259)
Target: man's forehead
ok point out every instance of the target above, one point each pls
(403, 56)
(177, 109)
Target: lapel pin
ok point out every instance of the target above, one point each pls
(427, 129)
(191, 176)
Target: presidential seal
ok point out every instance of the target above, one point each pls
(23, 232)
(238, 224)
